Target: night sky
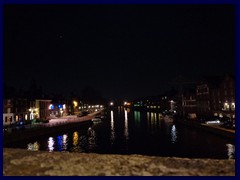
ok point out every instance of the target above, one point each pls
(123, 51)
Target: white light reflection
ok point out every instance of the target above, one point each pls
(112, 138)
(173, 134)
(51, 144)
(91, 138)
(231, 151)
(65, 142)
(126, 134)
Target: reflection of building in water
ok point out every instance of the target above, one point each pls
(91, 132)
(126, 134)
(231, 151)
(50, 144)
(137, 116)
(173, 134)
(153, 118)
(112, 138)
(91, 138)
(148, 119)
(83, 143)
(160, 116)
(65, 142)
(119, 109)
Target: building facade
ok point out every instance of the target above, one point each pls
(216, 96)
(15, 110)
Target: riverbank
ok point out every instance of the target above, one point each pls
(19, 162)
(54, 126)
(228, 133)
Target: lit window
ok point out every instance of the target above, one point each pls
(226, 106)
(233, 106)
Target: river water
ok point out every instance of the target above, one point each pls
(125, 131)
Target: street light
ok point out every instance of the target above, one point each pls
(111, 103)
(61, 111)
(75, 103)
(33, 112)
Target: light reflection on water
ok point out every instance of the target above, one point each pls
(126, 133)
(33, 147)
(65, 142)
(51, 144)
(137, 119)
(59, 143)
(92, 139)
(174, 134)
(231, 151)
(83, 142)
(112, 137)
(163, 137)
(75, 138)
(75, 147)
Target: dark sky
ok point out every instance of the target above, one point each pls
(123, 51)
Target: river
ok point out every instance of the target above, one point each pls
(125, 131)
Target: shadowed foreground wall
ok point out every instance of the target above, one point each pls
(24, 163)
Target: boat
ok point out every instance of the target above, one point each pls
(96, 120)
(100, 117)
(214, 122)
(168, 119)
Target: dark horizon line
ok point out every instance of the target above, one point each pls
(78, 94)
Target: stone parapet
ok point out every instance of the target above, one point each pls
(20, 162)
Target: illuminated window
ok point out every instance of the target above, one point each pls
(226, 106)
(9, 119)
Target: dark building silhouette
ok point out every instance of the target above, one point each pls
(216, 96)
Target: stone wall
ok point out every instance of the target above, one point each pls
(20, 162)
